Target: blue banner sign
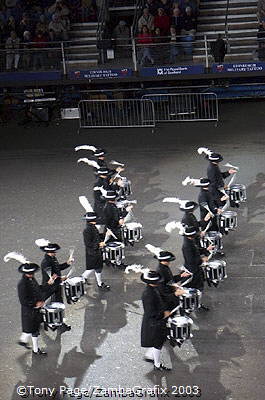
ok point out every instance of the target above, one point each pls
(240, 67)
(101, 74)
(30, 76)
(172, 70)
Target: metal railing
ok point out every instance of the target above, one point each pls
(184, 107)
(119, 113)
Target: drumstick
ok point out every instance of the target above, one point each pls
(108, 234)
(71, 253)
(207, 227)
(207, 208)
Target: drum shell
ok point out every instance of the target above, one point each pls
(190, 301)
(74, 289)
(228, 220)
(53, 315)
(216, 271)
(237, 193)
(213, 238)
(179, 328)
(114, 252)
(132, 232)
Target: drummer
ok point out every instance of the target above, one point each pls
(153, 330)
(50, 266)
(217, 186)
(193, 261)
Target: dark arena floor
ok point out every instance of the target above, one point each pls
(40, 185)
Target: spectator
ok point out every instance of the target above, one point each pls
(40, 42)
(27, 54)
(183, 4)
(177, 20)
(12, 54)
(174, 46)
(10, 7)
(59, 9)
(166, 5)
(144, 39)
(25, 25)
(218, 49)
(261, 41)
(158, 49)
(56, 29)
(188, 31)
(121, 34)
(146, 20)
(152, 6)
(261, 10)
(10, 26)
(162, 21)
(42, 26)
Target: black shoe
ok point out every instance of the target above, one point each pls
(122, 266)
(146, 359)
(23, 344)
(65, 328)
(220, 253)
(162, 367)
(87, 282)
(39, 353)
(103, 286)
(205, 308)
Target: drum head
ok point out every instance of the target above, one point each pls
(229, 214)
(57, 305)
(133, 225)
(75, 280)
(114, 245)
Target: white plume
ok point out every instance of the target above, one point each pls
(153, 249)
(15, 256)
(86, 147)
(92, 163)
(42, 242)
(85, 203)
(190, 181)
(136, 268)
(204, 150)
(231, 166)
(170, 226)
(113, 162)
(175, 200)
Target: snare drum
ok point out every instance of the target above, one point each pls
(132, 232)
(191, 300)
(179, 328)
(53, 314)
(74, 289)
(228, 220)
(237, 193)
(215, 271)
(212, 238)
(114, 252)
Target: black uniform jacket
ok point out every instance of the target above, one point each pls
(192, 262)
(167, 291)
(50, 266)
(206, 198)
(99, 200)
(153, 330)
(217, 180)
(93, 253)
(29, 292)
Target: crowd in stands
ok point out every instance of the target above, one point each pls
(171, 22)
(29, 27)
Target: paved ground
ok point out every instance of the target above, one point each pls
(40, 185)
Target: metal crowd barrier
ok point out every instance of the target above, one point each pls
(178, 107)
(121, 113)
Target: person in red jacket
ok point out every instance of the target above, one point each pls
(40, 42)
(162, 21)
(144, 39)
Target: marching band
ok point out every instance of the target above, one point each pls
(168, 299)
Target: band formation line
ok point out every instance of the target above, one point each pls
(168, 300)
